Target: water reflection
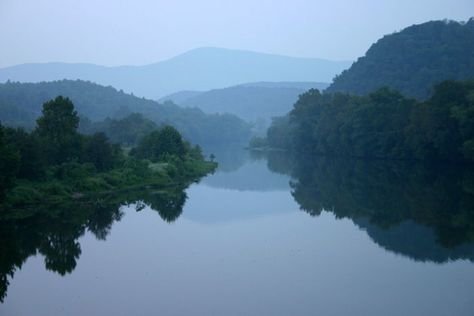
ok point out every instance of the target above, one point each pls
(422, 212)
(53, 231)
(425, 212)
(242, 170)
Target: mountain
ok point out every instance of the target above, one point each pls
(250, 101)
(413, 60)
(198, 69)
(21, 104)
(181, 96)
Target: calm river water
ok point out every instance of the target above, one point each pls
(260, 237)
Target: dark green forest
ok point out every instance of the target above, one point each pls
(54, 163)
(20, 106)
(413, 60)
(384, 124)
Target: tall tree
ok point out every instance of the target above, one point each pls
(9, 163)
(100, 152)
(160, 144)
(57, 128)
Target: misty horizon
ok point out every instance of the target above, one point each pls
(144, 32)
(202, 48)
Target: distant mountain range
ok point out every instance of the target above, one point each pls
(198, 69)
(250, 101)
(413, 60)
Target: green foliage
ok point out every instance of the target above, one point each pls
(98, 103)
(194, 152)
(98, 151)
(127, 131)
(55, 164)
(413, 60)
(160, 144)
(383, 124)
(9, 163)
(54, 197)
(59, 120)
(279, 134)
(30, 148)
(442, 128)
(57, 130)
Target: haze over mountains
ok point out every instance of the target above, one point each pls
(21, 104)
(198, 69)
(250, 101)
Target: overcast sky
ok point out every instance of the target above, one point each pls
(145, 31)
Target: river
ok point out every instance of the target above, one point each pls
(257, 239)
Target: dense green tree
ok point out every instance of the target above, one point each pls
(413, 60)
(98, 151)
(57, 129)
(32, 162)
(279, 134)
(160, 144)
(383, 124)
(194, 152)
(442, 128)
(9, 164)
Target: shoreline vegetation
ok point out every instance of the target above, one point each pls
(382, 125)
(57, 184)
(54, 164)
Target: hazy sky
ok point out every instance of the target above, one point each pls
(145, 31)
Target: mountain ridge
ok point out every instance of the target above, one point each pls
(251, 101)
(413, 60)
(198, 69)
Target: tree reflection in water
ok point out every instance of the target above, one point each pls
(53, 231)
(425, 212)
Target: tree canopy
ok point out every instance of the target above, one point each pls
(160, 144)
(57, 129)
(383, 124)
(9, 163)
(413, 60)
(20, 105)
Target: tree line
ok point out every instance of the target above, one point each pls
(98, 106)
(56, 161)
(383, 124)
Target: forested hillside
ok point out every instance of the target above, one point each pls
(413, 60)
(251, 102)
(383, 124)
(20, 105)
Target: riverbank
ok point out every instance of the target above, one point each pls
(74, 182)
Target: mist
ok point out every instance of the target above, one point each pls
(140, 32)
